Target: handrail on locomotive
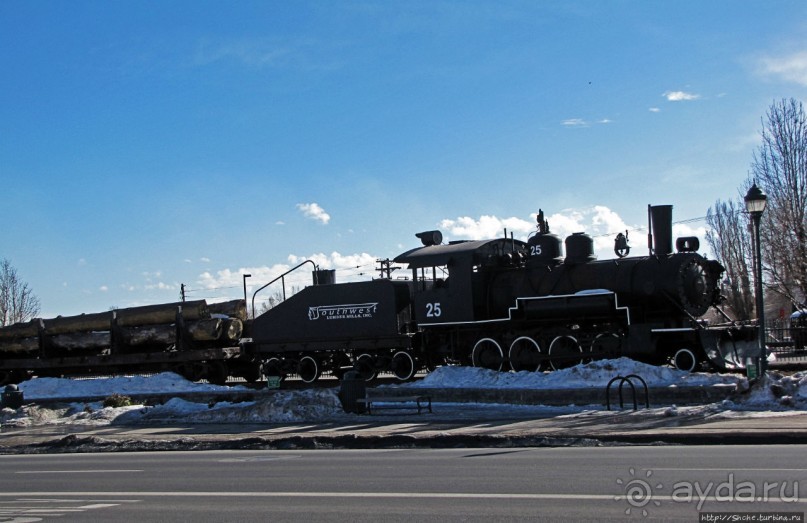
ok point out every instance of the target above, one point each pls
(283, 281)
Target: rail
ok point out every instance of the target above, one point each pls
(282, 278)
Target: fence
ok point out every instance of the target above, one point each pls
(784, 337)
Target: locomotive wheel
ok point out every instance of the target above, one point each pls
(525, 354)
(308, 369)
(487, 354)
(191, 371)
(402, 365)
(340, 364)
(606, 345)
(252, 372)
(685, 359)
(274, 367)
(217, 372)
(365, 365)
(564, 351)
(7, 377)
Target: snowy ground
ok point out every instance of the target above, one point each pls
(775, 395)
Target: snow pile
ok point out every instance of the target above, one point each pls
(776, 394)
(166, 382)
(76, 414)
(282, 407)
(595, 374)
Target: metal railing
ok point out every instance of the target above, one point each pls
(282, 279)
(784, 337)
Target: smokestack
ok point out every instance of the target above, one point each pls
(661, 227)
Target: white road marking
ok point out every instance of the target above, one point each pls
(394, 495)
(763, 469)
(31, 510)
(89, 471)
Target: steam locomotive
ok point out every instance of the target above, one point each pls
(499, 304)
(505, 303)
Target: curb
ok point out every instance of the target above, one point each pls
(85, 444)
(657, 396)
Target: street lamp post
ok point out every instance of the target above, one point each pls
(755, 201)
(245, 290)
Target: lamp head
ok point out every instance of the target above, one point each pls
(755, 200)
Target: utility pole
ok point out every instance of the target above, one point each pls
(182, 291)
(386, 268)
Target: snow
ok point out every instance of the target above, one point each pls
(775, 395)
(166, 382)
(594, 374)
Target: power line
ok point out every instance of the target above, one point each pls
(644, 227)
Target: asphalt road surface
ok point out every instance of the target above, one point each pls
(669, 483)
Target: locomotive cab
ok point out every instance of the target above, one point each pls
(449, 280)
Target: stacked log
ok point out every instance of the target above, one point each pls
(231, 331)
(131, 317)
(19, 347)
(152, 326)
(20, 330)
(80, 341)
(166, 313)
(232, 309)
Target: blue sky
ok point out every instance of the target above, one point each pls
(148, 144)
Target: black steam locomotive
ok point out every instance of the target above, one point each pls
(499, 304)
(508, 304)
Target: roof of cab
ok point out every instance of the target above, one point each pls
(437, 255)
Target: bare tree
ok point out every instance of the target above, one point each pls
(17, 302)
(276, 299)
(730, 241)
(780, 168)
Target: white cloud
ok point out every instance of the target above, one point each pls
(465, 227)
(598, 221)
(654, 110)
(350, 262)
(574, 122)
(580, 122)
(349, 267)
(314, 212)
(161, 286)
(103, 288)
(791, 68)
(680, 96)
(252, 52)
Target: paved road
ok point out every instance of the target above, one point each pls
(552, 484)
